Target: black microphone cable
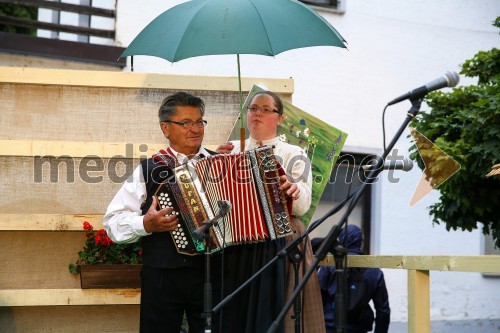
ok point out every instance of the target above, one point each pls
(383, 127)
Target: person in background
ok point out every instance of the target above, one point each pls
(171, 283)
(375, 289)
(257, 306)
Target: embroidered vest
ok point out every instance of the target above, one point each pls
(158, 249)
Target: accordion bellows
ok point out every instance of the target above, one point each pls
(248, 180)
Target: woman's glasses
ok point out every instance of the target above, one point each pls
(263, 109)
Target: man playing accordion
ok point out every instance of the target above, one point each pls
(171, 283)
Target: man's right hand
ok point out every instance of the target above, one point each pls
(225, 148)
(156, 221)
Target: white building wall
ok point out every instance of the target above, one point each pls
(394, 46)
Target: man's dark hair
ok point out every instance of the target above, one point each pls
(169, 104)
(276, 98)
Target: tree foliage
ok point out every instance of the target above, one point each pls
(465, 124)
(24, 12)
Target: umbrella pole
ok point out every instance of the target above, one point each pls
(242, 129)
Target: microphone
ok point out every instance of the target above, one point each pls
(405, 164)
(449, 79)
(224, 208)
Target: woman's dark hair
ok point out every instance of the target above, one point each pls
(276, 98)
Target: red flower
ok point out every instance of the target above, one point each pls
(87, 226)
(102, 238)
(139, 252)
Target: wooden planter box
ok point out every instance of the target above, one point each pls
(110, 276)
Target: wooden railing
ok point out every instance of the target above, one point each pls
(418, 268)
(83, 50)
(59, 6)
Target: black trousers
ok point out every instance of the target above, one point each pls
(166, 293)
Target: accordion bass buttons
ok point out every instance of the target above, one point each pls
(283, 223)
(178, 234)
(180, 237)
(166, 202)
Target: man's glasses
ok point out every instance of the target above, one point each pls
(264, 109)
(187, 124)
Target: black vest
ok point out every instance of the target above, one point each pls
(158, 249)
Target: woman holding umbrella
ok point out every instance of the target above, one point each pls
(258, 305)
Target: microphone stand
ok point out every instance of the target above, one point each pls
(207, 286)
(286, 251)
(295, 256)
(331, 238)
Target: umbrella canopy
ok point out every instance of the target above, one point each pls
(208, 27)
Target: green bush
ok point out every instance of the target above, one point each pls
(465, 124)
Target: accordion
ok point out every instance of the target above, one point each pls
(248, 180)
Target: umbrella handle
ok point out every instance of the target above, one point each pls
(242, 129)
(242, 138)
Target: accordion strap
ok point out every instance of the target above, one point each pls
(166, 157)
(289, 200)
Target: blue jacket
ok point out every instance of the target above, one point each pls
(376, 289)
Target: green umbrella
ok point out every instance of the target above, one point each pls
(208, 27)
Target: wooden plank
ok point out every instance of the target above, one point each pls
(110, 276)
(32, 60)
(110, 115)
(419, 313)
(60, 186)
(484, 263)
(64, 319)
(64, 77)
(33, 148)
(39, 260)
(77, 149)
(48, 222)
(47, 297)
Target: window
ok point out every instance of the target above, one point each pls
(336, 6)
(337, 190)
